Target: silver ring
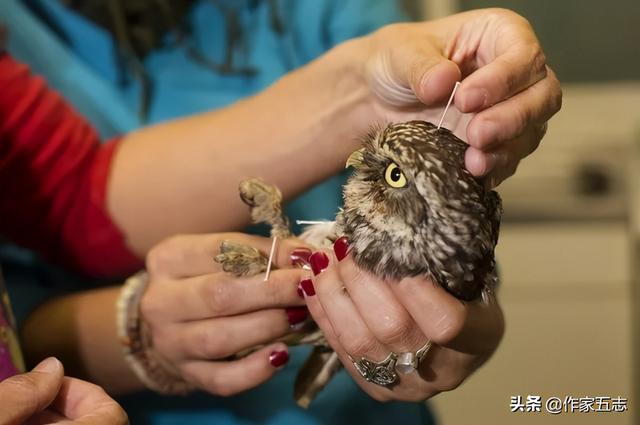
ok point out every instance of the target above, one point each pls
(408, 362)
(382, 373)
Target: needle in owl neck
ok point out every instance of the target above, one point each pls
(453, 93)
(273, 249)
(310, 222)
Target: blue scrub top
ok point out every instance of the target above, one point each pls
(79, 59)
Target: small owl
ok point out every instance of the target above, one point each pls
(410, 208)
(411, 192)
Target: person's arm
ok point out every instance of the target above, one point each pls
(300, 130)
(294, 134)
(80, 329)
(62, 191)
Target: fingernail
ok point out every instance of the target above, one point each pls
(319, 261)
(48, 365)
(341, 247)
(299, 291)
(425, 92)
(300, 257)
(278, 358)
(296, 315)
(307, 287)
(475, 99)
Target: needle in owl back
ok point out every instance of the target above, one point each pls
(453, 93)
(273, 249)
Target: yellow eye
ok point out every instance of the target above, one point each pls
(394, 177)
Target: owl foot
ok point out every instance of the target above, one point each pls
(241, 260)
(265, 201)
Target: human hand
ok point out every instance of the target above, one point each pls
(198, 315)
(363, 316)
(507, 95)
(45, 395)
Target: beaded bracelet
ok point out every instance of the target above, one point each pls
(137, 347)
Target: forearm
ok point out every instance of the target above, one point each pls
(183, 176)
(80, 330)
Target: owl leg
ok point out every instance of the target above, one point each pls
(241, 260)
(265, 201)
(323, 363)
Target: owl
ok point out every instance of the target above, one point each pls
(410, 209)
(411, 192)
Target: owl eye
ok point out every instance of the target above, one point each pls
(394, 176)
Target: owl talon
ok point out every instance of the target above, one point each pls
(265, 201)
(241, 260)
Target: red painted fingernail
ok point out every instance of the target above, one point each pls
(296, 315)
(307, 287)
(341, 247)
(319, 261)
(300, 257)
(278, 358)
(299, 291)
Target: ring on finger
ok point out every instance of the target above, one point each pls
(408, 362)
(382, 373)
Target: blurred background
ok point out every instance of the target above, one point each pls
(569, 243)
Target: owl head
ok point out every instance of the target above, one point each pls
(411, 208)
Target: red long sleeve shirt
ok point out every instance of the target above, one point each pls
(53, 178)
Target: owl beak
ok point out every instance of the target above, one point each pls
(355, 159)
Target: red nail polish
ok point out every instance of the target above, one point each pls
(319, 261)
(307, 287)
(278, 358)
(300, 257)
(299, 291)
(341, 247)
(296, 315)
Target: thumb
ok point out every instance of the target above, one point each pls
(413, 73)
(24, 395)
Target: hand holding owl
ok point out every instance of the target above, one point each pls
(195, 317)
(507, 95)
(363, 316)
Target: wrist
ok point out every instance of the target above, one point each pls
(340, 99)
(137, 345)
(350, 79)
